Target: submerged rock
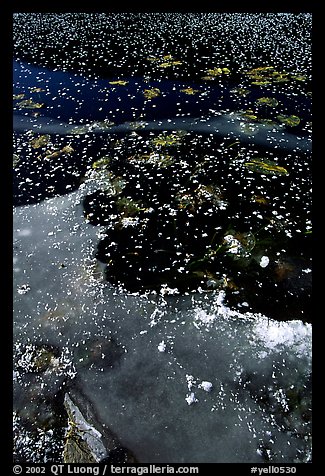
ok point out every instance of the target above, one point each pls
(37, 358)
(36, 443)
(99, 352)
(84, 442)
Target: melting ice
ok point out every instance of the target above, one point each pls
(197, 381)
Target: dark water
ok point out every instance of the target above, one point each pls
(177, 226)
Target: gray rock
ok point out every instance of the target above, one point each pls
(83, 441)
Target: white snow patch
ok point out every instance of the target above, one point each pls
(129, 221)
(165, 289)
(275, 335)
(219, 310)
(162, 346)
(202, 316)
(206, 386)
(190, 381)
(191, 398)
(264, 261)
(267, 335)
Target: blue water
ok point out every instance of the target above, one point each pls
(70, 97)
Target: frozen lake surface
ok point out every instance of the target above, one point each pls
(154, 397)
(162, 236)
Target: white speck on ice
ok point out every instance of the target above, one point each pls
(24, 288)
(207, 386)
(162, 346)
(190, 381)
(129, 221)
(165, 289)
(191, 399)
